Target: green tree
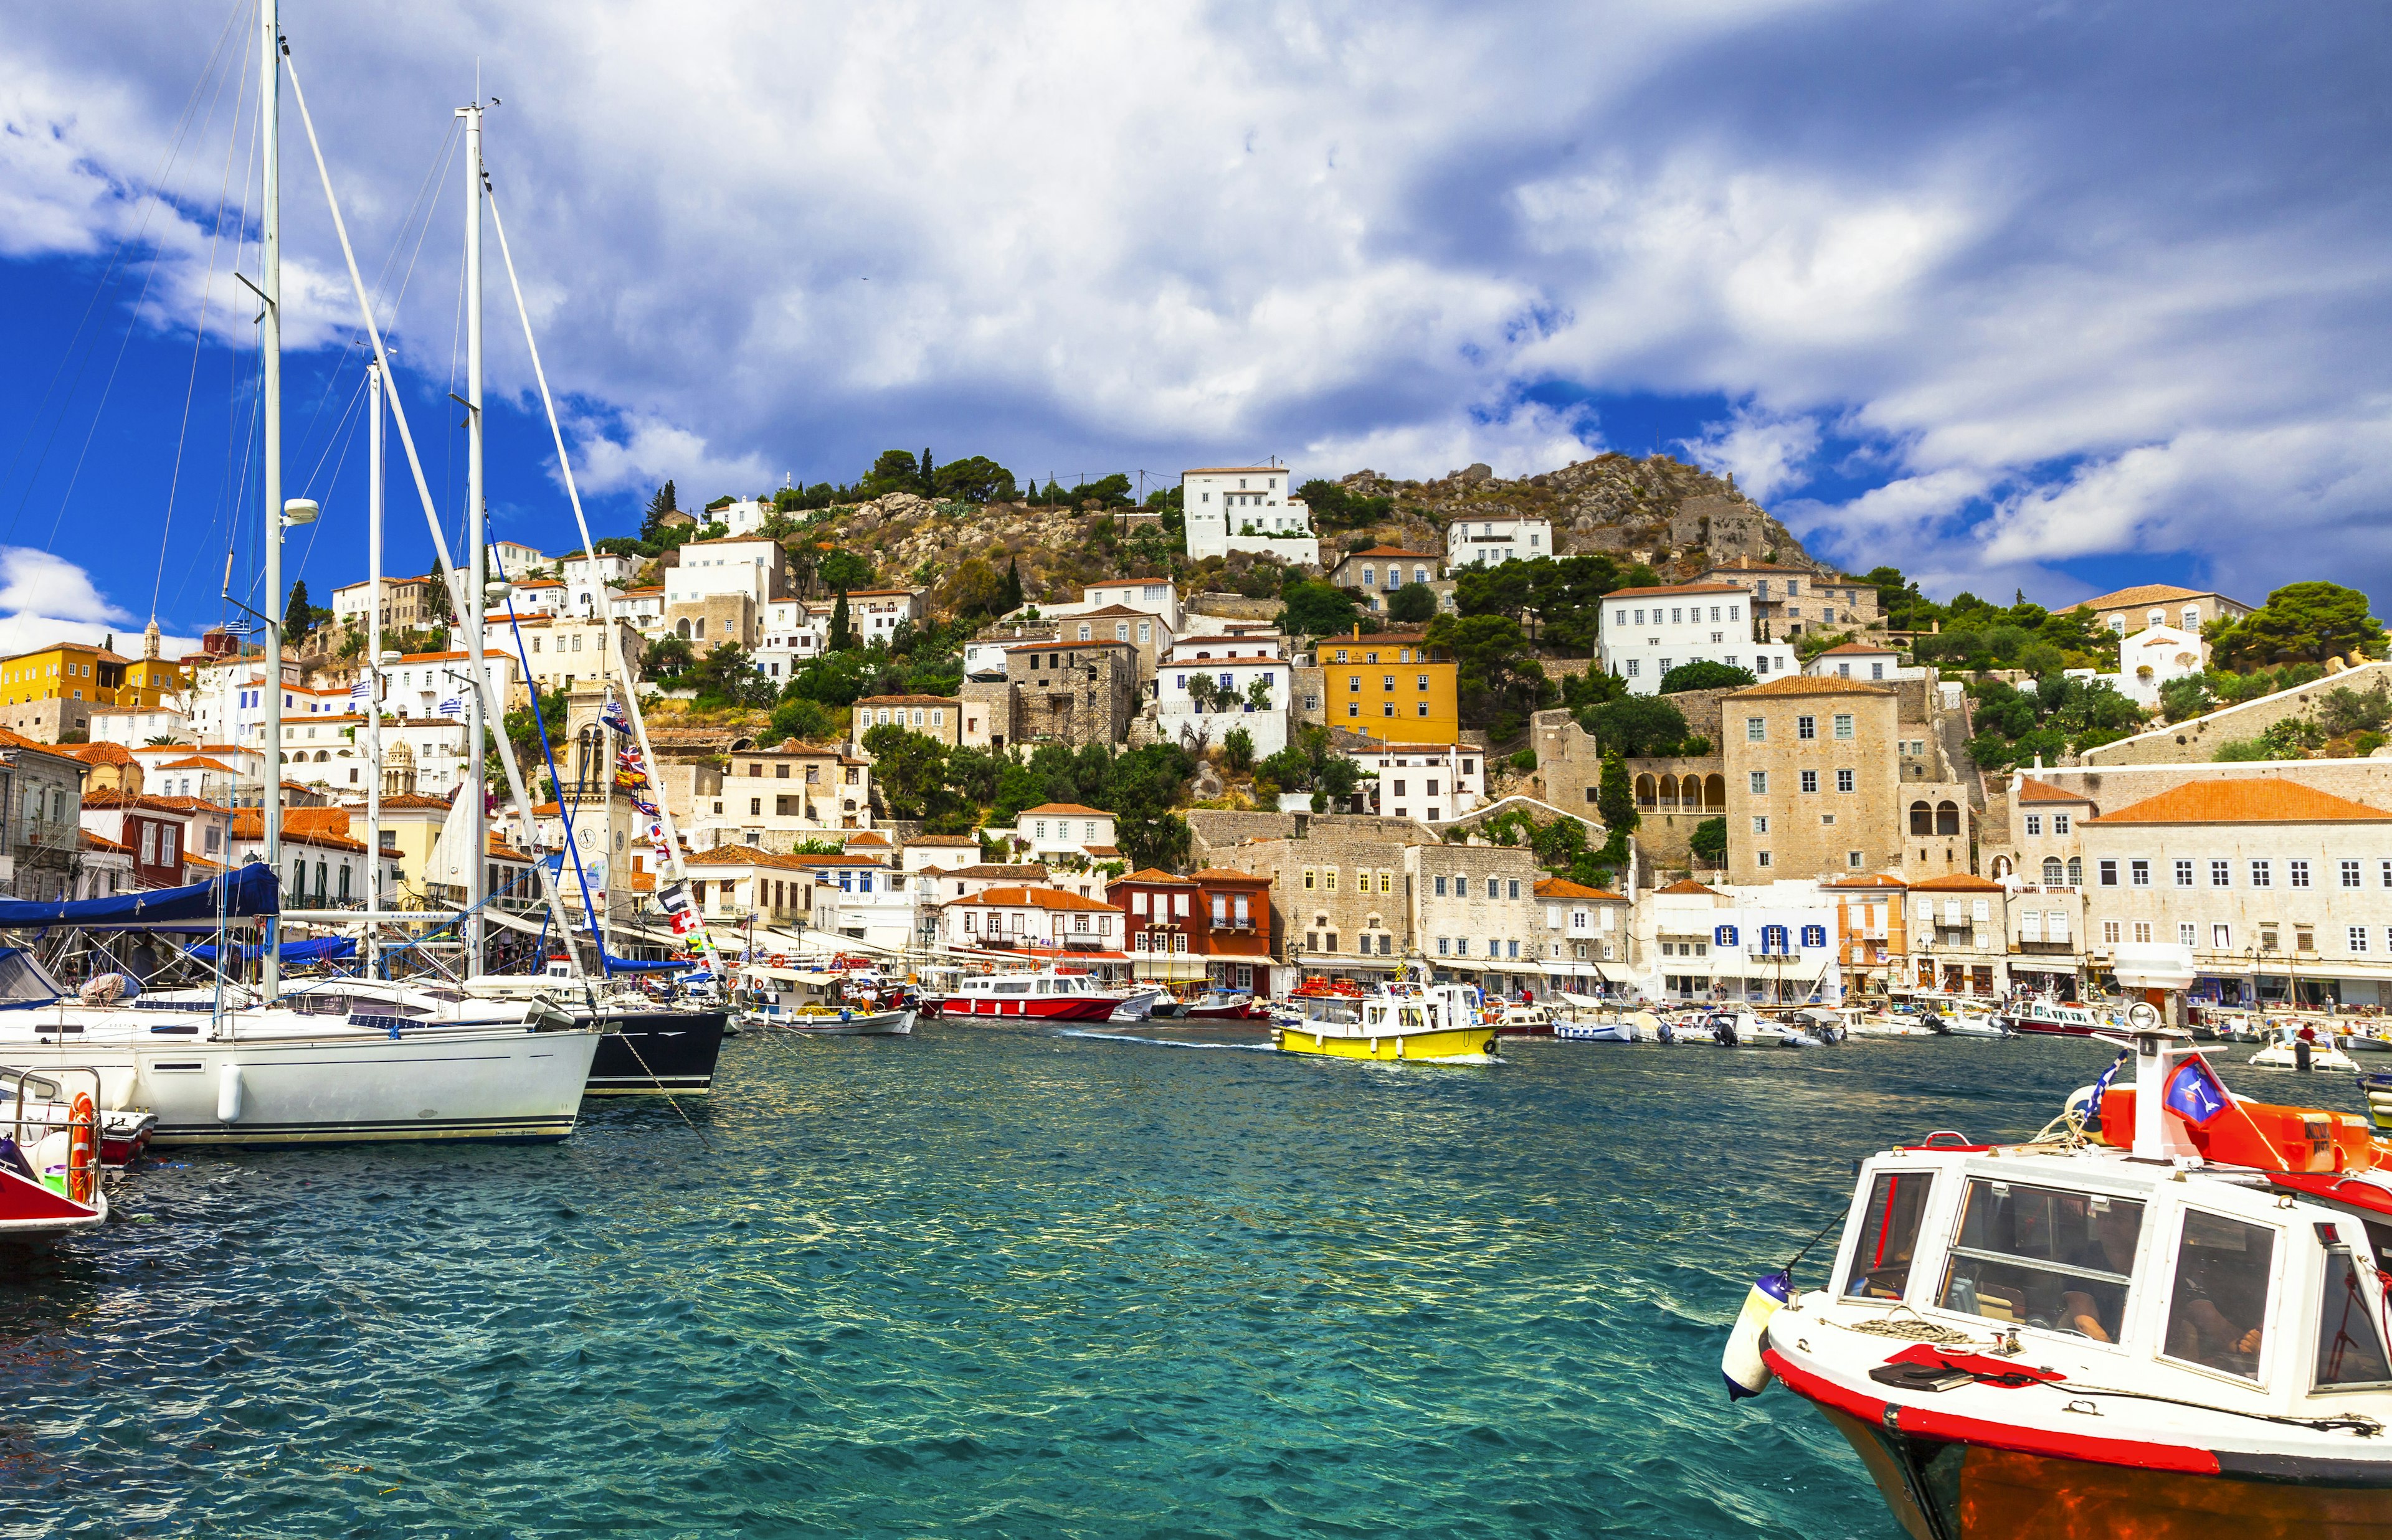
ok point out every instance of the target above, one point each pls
(2185, 697)
(1112, 491)
(930, 473)
(844, 571)
(1498, 675)
(808, 721)
(895, 471)
(1705, 676)
(1316, 610)
(1638, 726)
(1615, 798)
(728, 675)
(2305, 622)
(977, 480)
(1709, 842)
(1010, 600)
(298, 616)
(666, 659)
(908, 769)
(973, 589)
(842, 636)
(653, 521)
(1411, 604)
(1238, 747)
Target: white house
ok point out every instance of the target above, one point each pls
(515, 559)
(591, 580)
(330, 752)
(133, 725)
(925, 851)
(741, 516)
(1248, 507)
(642, 609)
(1646, 632)
(1056, 829)
(1435, 783)
(873, 614)
(1863, 660)
(436, 684)
(1154, 596)
(533, 595)
(1249, 692)
(1484, 542)
(1759, 944)
(1009, 917)
(728, 564)
(1260, 642)
(883, 910)
(788, 637)
(2152, 657)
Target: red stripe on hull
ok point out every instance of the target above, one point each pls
(23, 1202)
(1061, 1007)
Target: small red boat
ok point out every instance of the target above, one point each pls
(33, 1102)
(49, 1171)
(1055, 995)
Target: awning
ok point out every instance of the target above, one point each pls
(1171, 967)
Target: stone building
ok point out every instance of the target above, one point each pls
(934, 717)
(1074, 692)
(1959, 935)
(770, 797)
(1816, 784)
(1586, 937)
(1788, 600)
(2149, 605)
(1338, 903)
(43, 813)
(1474, 911)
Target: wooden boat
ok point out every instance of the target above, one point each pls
(2163, 1317)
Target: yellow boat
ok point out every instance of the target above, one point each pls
(1403, 1022)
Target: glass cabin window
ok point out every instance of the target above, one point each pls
(2041, 1257)
(1897, 1203)
(2217, 1312)
(2350, 1351)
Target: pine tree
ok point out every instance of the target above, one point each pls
(930, 473)
(298, 615)
(658, 506)
(1012, 600)
(841, 638)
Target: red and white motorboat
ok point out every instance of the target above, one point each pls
(2041, 1017)
(31, 1103)
(50, 1164)
(2165, 1316)
(1055, 995)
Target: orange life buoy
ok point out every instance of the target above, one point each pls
(83, 1130)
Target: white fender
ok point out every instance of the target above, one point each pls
(1741, 1364)
(228, 1094)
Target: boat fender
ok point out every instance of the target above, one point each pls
(83, 1122)
(1741, 1365)
(228, 1094)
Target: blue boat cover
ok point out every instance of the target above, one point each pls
(250, 893)
(319, 949)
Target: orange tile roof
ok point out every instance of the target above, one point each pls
(1224, 873)
(1154, 874)
(2029, 789)
(2247, 800)
(1072, 808)
(102, 753)
(1559, 888)
(198, 762)
(1106, 851)
(1240, 471)
(1671, 590)
(1959, 882)
(1811, 685)
(907, 700)
(1392, 550)
(1027, 871)
(2147, 593)
(1688, 885)
(1033, 897)
(1875, 879)
(102, 842)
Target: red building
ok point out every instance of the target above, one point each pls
(1213, 925)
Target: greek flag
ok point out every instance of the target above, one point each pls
(2101, 1088)
(454, 705)
(362, 691)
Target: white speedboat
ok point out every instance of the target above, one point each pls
(1051, 994)
(276, 1076)
(2284, 1053)
(826, 1002)
(1952, 1021)
(2163, 1317)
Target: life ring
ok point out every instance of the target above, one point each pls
(82, 1124)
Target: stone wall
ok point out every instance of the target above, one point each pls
(1665, 826)
(1213, 833)
(2198, 740)
(1233, 606)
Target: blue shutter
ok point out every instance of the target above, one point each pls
(1724, 935)
(1814, 935)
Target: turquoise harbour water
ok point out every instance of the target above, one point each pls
(997, 1282)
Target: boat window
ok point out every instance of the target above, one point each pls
(23, 980)
(2217, 1312)
(2350, 1350)
(2043, 1257)
(1897, 1203)
(1011, 986)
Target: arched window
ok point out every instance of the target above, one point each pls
(2076, 871)
(1923, 819)
(2001, 867)
(1947, 817)
(2157, 617)
(1715, 792)
(1668, 791)
(2052, 872)
(1646, 797)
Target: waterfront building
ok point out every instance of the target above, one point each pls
(1646, 632)
(738, 886)
(1338, 904)
(1487, 540)
(1872, 922)
(969, 877)
(1032, 921)
(1764, 943)
(1248, 507)
(1586, 938)
(1213, 924)
(1474, 913)
(1959, 936)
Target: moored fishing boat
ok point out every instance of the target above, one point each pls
(2289, 1050)
(1051, 994)
(1405, 1021)
(2040, 1018)
(2163, 1316)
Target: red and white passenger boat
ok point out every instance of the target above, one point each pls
(1055, 995)
(2165, 1318)
(51, 1162)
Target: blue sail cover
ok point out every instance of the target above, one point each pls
(251, 893)
(319, 949)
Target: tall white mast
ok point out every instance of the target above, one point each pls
(477, 559)
(269, 95)
(376, 899)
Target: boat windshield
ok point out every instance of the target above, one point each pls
(23, 980)
(2044, 1257)
(1332, 1011)
(1897, 1203)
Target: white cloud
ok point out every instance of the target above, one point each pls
(1766, 453)
(46, 598)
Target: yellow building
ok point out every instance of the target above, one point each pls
(79, 671)
(1390, 687)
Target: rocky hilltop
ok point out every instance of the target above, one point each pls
(1674, 516)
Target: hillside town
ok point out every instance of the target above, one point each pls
(1608, 730)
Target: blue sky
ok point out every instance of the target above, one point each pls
(2053, 297)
